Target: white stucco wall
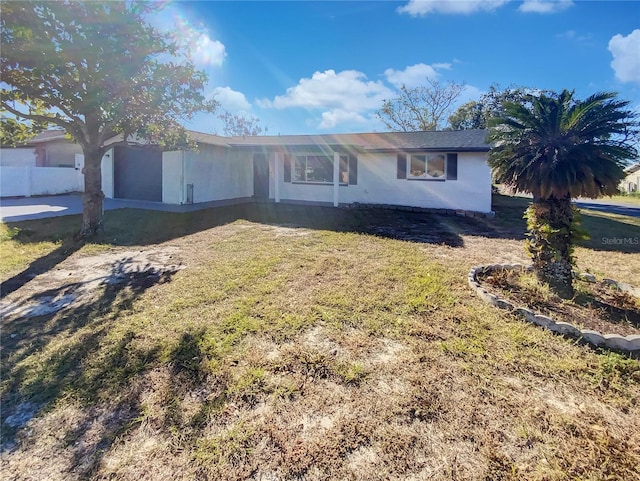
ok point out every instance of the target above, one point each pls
(377, 184)
(172, 178)
(54, 180)
(14, 181)
(28, 181)
(18, 157)
(217, 174)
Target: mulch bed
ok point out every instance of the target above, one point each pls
(597, 306)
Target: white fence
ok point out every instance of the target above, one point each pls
(27, 181)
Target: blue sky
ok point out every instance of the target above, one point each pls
(319, 67)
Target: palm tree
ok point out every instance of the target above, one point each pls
(558, 148)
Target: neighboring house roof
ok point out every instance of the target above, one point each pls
(632, 168)
(198, 137)
(209, 139)
(458, 140)
(48, 136)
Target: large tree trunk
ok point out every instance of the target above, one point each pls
(93, 196)
(549, 243)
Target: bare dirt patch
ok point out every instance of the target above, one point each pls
(76, 279)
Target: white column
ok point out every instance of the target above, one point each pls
(336, 178)
(107, 173)
(277, 175)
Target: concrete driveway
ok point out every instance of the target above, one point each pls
(29, 208)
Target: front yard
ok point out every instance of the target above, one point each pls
(301, 343)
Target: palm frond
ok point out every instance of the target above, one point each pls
(552, 145)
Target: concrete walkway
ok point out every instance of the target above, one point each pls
(29, 208)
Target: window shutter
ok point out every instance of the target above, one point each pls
(287, 168)
(452, 166)
(353, 170)
(402, 166)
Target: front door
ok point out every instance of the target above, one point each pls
(260, 176)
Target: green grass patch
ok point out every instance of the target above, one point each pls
(315, 351)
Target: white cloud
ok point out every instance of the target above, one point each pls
(626, 59)
(574, 36)
(545, 6)
(196, 39)
(414, 75)
(208, 52)
(348, 90)
(231, 100)
(469, 93)
(200, 47)
(423, 7)
(338, 116)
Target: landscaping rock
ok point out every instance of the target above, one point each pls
(633, 342)
(593, 337)
(565, 328)
(628, 288)
(502, 304)
(616, 341)
(525, 313)
(612, 341)
(543, 321)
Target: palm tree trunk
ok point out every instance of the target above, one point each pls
(549, 243)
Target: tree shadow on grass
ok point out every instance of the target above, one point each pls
(142, 227)
(86, 359)
(606, 232)
(40, 265)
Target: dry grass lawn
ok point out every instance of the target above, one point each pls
(302, 343)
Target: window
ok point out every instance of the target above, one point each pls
(319, 169)
(427, 166)
(344, 169)
(313, 168)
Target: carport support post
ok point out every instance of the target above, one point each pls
(336, 178)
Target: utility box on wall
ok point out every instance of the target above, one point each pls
(189, 194)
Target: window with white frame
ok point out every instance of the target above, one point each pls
(427, 166)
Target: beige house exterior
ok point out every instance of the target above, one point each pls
(631, 182)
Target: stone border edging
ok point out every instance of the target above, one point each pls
(629, 343)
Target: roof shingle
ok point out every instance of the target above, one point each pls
(459, 140)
